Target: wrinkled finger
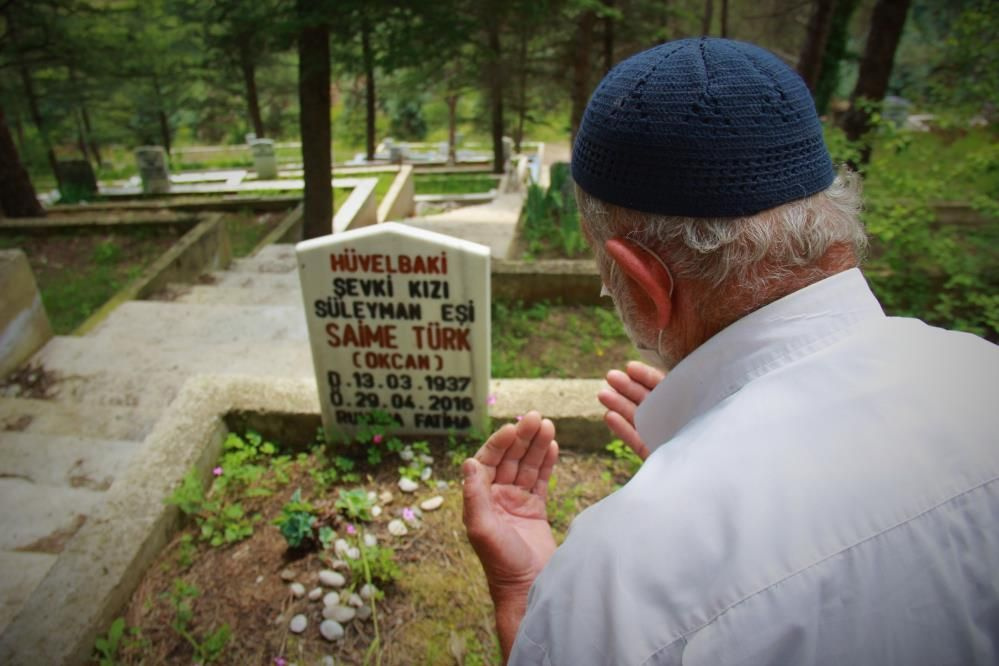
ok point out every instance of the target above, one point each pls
(644, 374)
(492, 452)
(527, 474)
(526, 430)
(545, 471)
(625, 431)
(616, 402)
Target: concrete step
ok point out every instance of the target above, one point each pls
(91, 372)
(42, 518)
(271, 259)
(23, 573)
(206, 295)
(272, 281)
(158, 324)
(64, 460)
(47, 417)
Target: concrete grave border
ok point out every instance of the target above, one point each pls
(96, 574)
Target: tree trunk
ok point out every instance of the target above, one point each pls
(518, 133)
(495, 74)
(608, 38)
(816, 37)
(249, 70)
(36, 117)
(581, 69)
(835, 51)
(88, 129)
(709, 10)
(452, 125)
(17, 194)
(81, 142)
(724, 18)
(369, 88)
(314, 122)
(161, 115)
(887, 23)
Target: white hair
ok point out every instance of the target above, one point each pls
(760, 257)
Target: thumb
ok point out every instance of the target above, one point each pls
(475, 493)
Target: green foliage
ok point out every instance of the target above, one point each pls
(207, 649)
(551, 221)
(625, 461)
(355, 504)
(107, 646)
(107, 253)
(186, 551)
(454, 183)
(296, 520)
(376, 565)
(512, 325)
(189, 497)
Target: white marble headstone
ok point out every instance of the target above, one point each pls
(264, 159)
(398, 320)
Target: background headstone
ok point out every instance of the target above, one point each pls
(77, 181)
(152, 161)
(264, 159)
(398, 321)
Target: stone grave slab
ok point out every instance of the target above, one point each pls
(153, 170)
(398, 321)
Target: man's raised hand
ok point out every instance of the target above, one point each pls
(628, 390)
(504, 493)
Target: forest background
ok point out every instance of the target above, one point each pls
(93, 79)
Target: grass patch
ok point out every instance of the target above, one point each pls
(246, 229)
(78, 269)
(456, 183)
(530, 341)
(550, 223)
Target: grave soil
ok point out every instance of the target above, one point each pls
(437, 612)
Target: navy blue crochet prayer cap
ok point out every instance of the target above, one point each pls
(701, 127)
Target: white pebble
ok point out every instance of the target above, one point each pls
(442, 485)
(364, 612)
(341, 614)
(287, 575)
(331, 631)
(407, 454)
(297, 590)
(397, 528)
(355, 600)
(426, 474)
(260, 579)
(327, 660)
(340, 546)
(331, 599)
(354, 553)
(370, 540)
(372, 496)
(298, 624)
(426, 459)
(386, 497)
(340, 564)
(367, 591)
(376, 511)
(432, 504)
(407, 485)
(332, 578)
(315, 593)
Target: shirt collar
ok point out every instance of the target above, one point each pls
(780, 332)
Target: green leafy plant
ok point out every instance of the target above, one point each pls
(219, 522)
(210, 647)
(296, 520)
(625, 461)
(107, 646)
(355, 504)
(551, 221)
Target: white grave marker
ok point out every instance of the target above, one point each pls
(264, 159)
(398, 320)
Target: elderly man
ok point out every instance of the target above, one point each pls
(822, 481)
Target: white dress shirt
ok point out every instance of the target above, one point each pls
(823, 489)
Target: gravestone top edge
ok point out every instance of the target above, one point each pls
(392, 229)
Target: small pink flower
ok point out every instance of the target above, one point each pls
(377, 439)
(407, 514)
(351, 529)
(280, 661)
(491, 399)
(217, 471)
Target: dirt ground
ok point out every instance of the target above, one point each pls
(437, 612)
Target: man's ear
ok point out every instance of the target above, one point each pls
(648, 271)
